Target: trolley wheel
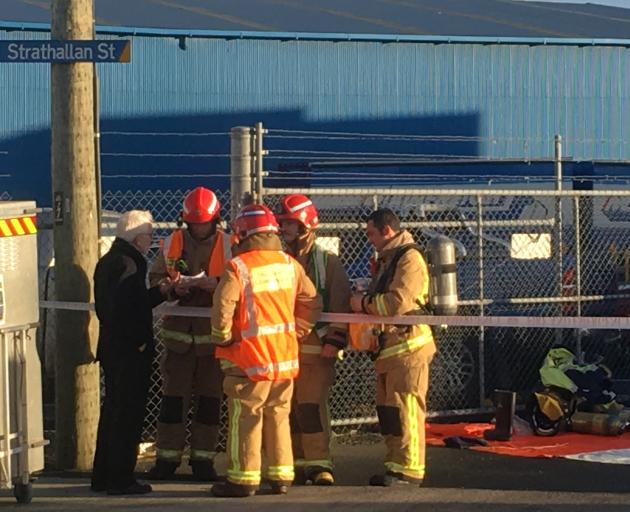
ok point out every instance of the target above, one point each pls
(23, 492)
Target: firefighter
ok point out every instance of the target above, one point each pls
(402, 356)
(310, 419)
(264, 303)
(193, 258)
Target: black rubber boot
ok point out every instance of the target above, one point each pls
(392, 478)
(279, 486)
(505, 403)
(300, 476)
(163, 470)
(203, 471)
(230, 490)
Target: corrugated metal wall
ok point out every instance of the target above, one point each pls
(509, 99)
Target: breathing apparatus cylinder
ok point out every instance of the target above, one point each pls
(442, 276)
(598, 423)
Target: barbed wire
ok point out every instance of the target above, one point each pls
(117, 176)
(170, 155)
(323, 173)
(166, 134)
(361, 153)
(333, 135)
(325, 134)
(367, 158)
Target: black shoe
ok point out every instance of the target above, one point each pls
(230, 490)
(300, 476)
(134, 488)
(203, 471)
(391, 478)
(163, 470)
(96, 487)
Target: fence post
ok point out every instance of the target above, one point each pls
(578, 271)
(482, 332)
(259, 167)
(559, 223)
(240, 169)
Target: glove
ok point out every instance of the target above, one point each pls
(336, 339)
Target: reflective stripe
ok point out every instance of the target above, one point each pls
(243, 477)
(412, 471)
(202, 454)
(17, 227)
(177, 336)
(4, 228)
(306, 203)
(235, 470)
(170, 455)
(222, 335)
(267, 330)
(201, 339)
(322, 331)
(412, 414)
(247, 290)
(320, 257)
(379, 302)
(273, 368)
(226, 364)
(281, 472)
(405, 346)
(311, 349)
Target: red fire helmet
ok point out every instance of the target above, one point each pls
(200, 205)
(298, 207)
(254, 218)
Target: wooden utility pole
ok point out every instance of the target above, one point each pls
(76, 240)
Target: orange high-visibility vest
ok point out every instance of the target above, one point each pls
(266, 346)
(173, 248)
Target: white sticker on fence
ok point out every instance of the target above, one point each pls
(530, 246)
(329, 243)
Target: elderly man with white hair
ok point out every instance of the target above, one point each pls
(125, 350)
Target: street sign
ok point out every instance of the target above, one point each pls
(60, 52)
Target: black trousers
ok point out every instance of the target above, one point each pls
(122, 416)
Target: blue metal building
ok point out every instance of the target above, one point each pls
(494, 97)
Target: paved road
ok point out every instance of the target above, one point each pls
(457, 481)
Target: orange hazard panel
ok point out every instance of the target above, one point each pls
(17, 227)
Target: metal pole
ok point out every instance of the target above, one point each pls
(6, 407)
(559, 222)
(482, 331)
(76, 240)
(578, 271)
(260, 152)
(252, 163)
(240, 168)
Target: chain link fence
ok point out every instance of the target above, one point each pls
(513, 259)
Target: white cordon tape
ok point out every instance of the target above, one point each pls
(546, 322)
